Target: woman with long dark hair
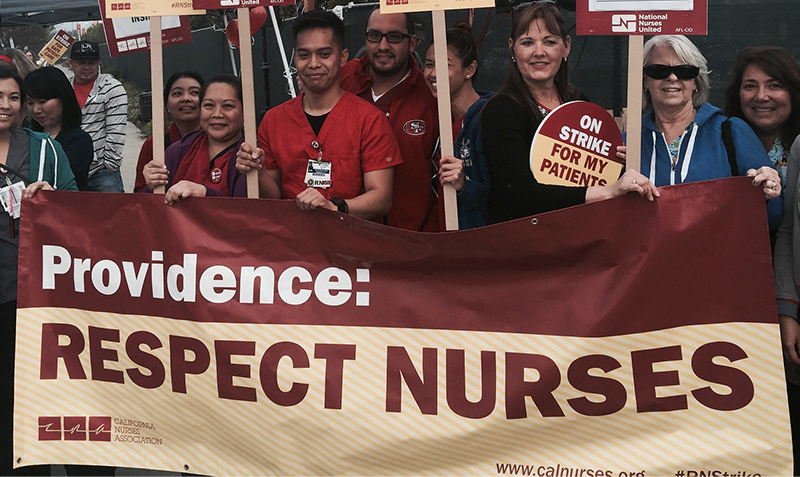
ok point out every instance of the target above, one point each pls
(537, 81)
(54, 109)
(765, 93)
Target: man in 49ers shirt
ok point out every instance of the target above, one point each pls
(388, 77)
(326, 148)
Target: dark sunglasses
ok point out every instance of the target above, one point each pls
(683, 72)
(374, 36)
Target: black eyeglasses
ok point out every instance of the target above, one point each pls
(683, 72)
(374, 36)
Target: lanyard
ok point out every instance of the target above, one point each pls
(4, 171)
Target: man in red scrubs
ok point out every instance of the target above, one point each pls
(326, 148)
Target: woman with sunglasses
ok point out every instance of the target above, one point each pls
(684, 137)
(536, 82)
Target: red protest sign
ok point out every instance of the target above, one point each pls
(129, 35)
(576, 145)
(648, 17)
(213, 4)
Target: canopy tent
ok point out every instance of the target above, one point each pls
(47, 12)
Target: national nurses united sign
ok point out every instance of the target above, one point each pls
(576, 145)
(245, 337)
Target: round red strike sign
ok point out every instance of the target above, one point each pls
(576, 145)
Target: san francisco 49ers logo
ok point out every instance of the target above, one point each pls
(415, 127)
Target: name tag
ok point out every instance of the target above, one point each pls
(10, 197)
(318, 174)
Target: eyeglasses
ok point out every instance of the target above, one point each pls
(374, 36)
(683, 72)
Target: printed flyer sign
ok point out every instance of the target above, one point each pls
(407, 6)
(215, 4)
(576, 145)
(132, 34)
(246, 337)
(56, 47)
(635, 17)
(146, 8)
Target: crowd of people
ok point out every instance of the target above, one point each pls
(362, 139)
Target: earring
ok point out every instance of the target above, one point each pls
(513, 59)
(467, 76)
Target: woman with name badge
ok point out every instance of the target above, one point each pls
(686, 139)
(29, 161)
(182, 104)
(468, 172)
(203, 163)
(537, 81)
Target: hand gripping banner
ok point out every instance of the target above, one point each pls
(245, 337)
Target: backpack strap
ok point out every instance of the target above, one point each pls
(727, 140)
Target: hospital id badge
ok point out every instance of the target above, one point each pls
(10, 197)
(318, 174)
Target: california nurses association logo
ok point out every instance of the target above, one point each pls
(415, 127)
(75, 428)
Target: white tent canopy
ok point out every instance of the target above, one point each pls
(47, 12)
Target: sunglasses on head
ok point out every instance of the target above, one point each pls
(683, 72)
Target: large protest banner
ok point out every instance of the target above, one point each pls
(244, 337)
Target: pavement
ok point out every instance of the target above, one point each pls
(130, 155)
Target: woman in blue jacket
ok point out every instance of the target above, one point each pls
(684, 137)
(467, 170)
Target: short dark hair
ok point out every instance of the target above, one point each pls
(319, 19)
(9, 72)
(48, 83)
(231, 80)
(411, 24)
(176, 76)
(777, 63)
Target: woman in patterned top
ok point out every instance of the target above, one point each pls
(765, 93)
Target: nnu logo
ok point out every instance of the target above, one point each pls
(75, 428)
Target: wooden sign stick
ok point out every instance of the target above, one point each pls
(634, 119)
(248, 93)
(445, 114)
(156, 86)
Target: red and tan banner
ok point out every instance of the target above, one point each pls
(245, 337)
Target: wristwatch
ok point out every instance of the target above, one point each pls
(340, 204)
